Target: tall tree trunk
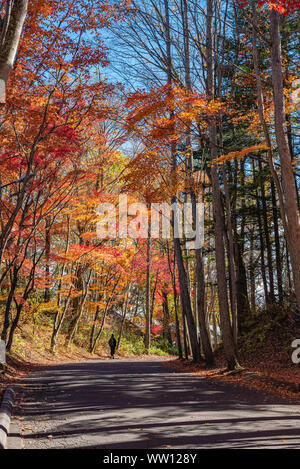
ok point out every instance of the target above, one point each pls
(228, 341)
(183, 279)
(287, 174)
(11, 30)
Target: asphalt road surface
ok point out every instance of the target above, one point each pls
(131, 404)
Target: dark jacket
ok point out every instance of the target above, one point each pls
(112, 342)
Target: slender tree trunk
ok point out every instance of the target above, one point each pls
(47, 258)
(252, 272)
(229, 346)
(76, 302)
(13, 327)
(261, 243)
(100, 330)
(59, 321)
(277, 244)
(206, 345)
(185, 339)
(77, 318)
(148, 294)
(124, 314)
(215, 330)
(186, 301)
(177, 323)
(13, 286)
(266, 232)
(153, 301)
(231, 259)
(105, 312)
(288, 269)
(166, 320)
(93, 330)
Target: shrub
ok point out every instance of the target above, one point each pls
(164, 346)
(132, 345)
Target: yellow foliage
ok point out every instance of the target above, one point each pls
(240, 154)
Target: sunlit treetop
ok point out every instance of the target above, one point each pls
(285, 7)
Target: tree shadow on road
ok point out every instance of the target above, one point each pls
(128, 404)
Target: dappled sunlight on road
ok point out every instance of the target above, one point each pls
(143, 404)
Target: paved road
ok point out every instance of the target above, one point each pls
(134, 404)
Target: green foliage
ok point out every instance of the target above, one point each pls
(258, 326)
(157, 351)
(165, 346)
(132, 344)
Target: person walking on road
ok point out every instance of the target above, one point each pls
(112, 343)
